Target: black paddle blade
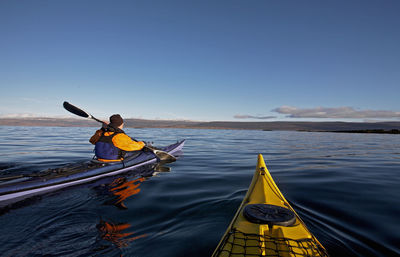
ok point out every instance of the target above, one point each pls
(161, 155)
(75, 110)
(165, 157)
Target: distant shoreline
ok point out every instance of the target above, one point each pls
(366, 131)
(337, 127)
(370, 131)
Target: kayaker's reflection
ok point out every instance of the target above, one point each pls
(115, 233)
(121, 188)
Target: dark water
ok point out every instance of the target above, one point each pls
(346, 187)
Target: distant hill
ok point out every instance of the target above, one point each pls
(276, 125)
(305, 126)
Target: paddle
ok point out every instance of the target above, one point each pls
(21, 176)
(12, 177)
(163, 156)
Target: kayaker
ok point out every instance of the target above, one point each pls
(111, 142)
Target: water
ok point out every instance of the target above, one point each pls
(344, 186)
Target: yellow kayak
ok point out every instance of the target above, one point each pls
(266, 225)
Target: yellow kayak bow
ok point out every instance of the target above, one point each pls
(266, 225)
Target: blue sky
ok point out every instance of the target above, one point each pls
(202, 60)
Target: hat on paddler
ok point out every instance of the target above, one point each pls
(116, 120)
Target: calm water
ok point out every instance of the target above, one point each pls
(346, 187)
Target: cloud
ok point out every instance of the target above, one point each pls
(339, 112)
(239, 116)
(19, 115)
(34, 116)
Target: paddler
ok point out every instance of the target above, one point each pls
(111, 142)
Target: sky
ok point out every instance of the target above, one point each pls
(206, 60)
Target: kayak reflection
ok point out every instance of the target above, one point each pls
(122, 188)
(16, 188)
(115, 233)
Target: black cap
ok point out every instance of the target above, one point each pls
(116, 120)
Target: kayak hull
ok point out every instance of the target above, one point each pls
(266, 225)
(14, 191)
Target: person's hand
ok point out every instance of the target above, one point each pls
(105, 124)
(148, 144)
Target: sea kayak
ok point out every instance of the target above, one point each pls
(266, 225)
(17, 189)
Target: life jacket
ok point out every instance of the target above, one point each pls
(105, 149)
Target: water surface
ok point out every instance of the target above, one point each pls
(346, 188)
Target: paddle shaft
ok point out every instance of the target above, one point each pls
(163, 156)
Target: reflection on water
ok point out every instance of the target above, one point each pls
(121, 188)
(124, 187)
(116, 234)
(160, 167)
(345, 187)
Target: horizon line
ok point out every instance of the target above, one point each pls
(190, 121)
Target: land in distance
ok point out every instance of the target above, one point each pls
(348, 127)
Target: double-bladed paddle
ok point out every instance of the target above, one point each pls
(163, 156)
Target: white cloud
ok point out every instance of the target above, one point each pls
(239, 116)
(19, 115)
(339, 112)
(34, 115)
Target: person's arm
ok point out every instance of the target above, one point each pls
(125, 143)
(98, 133)
(96, 136)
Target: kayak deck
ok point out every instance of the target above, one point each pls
(266, 225)
(74, 174)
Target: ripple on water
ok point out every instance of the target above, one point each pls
(344, 186)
